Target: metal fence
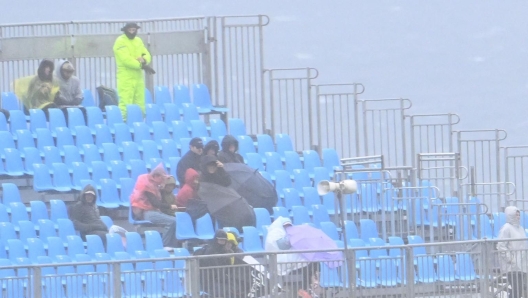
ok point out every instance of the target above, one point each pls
(450, 269)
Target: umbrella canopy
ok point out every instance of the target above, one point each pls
(226, 205)
(306, 237)
(248, 182)
(286, 262)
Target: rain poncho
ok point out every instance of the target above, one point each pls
(514, 255)
(70, 90)
(37, 92)
(138, 199)
(130, 77)
(286, 262)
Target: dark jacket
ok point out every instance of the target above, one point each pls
(211, 145)
(226, 156)
(189, 160)
(85, 216)
(219, 177)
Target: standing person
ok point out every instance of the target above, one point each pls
(146, 203)
(85, 215)
(38, 92)
(70, 94)
(191, 159)
(229, 151)
(513, 254)
(131, 58)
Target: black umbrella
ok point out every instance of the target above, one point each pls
(250, 184)
(226, 205)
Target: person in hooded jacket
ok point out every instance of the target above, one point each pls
(70, 94)
(229, 151)
(191, 159)
(188, 190)
(514, 254)
(85, 215)
(211, 148)
(40, 91)
(146, 203)
(213, 171)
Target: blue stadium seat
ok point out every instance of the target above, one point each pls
(320, 214)
(51, 155)
(11, 281)
(88, 98)
(331, 160)
(254, 160)
(35, 249)
(162, 96)
(17, 121)
(282, 181)
(150, 150)
(94, 116)
(204, 227)
(311, 161)
(368, 229)
(395, 241)
(94, 245)
(280, 211)
(14, 166)
(37, 119)
(367, 273)
(273, 163)
(3, 123)
(267, 176)
(283, 143)
(330, 229)
(93, 285)
(75, 118)
(118, 169)
(251, 241)
(264, 144)
(16, 249)
(329, 277)
(127, 187)
(83, 135)
(184, 145)
(153, 241)
(130, 151)
(24, 139)
(425, 269)
(8, 141)
(417, 250)
(161, 131)
(198, 129)
(153, 113)
(113, 116)
(61, 178)
(41, 178)
(169, 149)
(32, 156)
(38, 211)
(114, 244)
(134, 114)
(7, 231)
(499, 219)
(58, 210)
(56, 119)
(10, 101)
(26, 229)
(109, 197)
(110, 152)
(179, 131)
(133, 242)
(292, 198)
(300, 215)
(137, 167)
(172, 113)
(171, 278)
(388, 272)
(237, 127)
(75, 245)
(445, 268)
(301, 180)
(10, 193)
(485, 231)
(190, 112)
(463, 231)
(141, 132)
(245, 145)
(218, 128)
(465, 269)
(311, 197)
(46, 230)
(80, 173)
(369, 198)
(99, 171)
(55, 247)
(122, 134)
(377, 242)
(107, 221)
(150, 278)
(65, 229)
(181, 95)
(184, 227)
(263, 218)
(351, 230)
(71, 155)
(148, 97)
(202, 99)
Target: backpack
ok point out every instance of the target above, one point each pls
(107, 97)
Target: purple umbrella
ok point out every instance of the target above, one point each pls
(306, 237)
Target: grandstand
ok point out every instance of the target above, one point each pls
(429, 201)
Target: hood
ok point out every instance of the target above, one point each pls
(511, 215)
(211, 145)
(207, 159)
(159, 170)
(58, 73)
(228, 141)
(45, 63)
(190, 175)
(86, 189)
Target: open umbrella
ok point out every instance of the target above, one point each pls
(250, 184)
(226, 205)
(306, 237)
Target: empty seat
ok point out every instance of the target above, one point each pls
(190, 112)
(218, 128)
(161, 131)
(17, 121)
(245, 145)
(254, 160)
(134, 114)
(130, 151)
(31, 156)
(292, 161)
(300, 215)
(172, 113)
(134, 242)
(118, 169)
(204, 227)
(51, 155)
(184, 227)
(88, 98)
(122, 134)
(162, 96)
(283, 143)
(71, 154)
(94, 116)
(109, 197)
(38, 211)
(24, 139)
(103, 135)
(42, 178)
(37, 119)
(80, 173)
(110, 152)
(291, 198)
(75, 118)
(153, 113)
(330, 229)
(202, 99)
(273, 162)
(265, 144)
(10, 101)
(237, 127)
(58, 210)
(56, 119)
(251, 241)
(14, 166)
(65, 229)
(113, 116)
(61, 178)
(169, 149)
(368, 229)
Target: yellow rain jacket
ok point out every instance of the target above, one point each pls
(37, 92)
(130, 77)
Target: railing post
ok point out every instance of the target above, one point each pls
(37, 282)
(350, 260)
(409, 271)
(273, 269)
(116, 279)
(193, 283)
(483, 273)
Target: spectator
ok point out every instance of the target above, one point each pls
(188, 190)
(85, 215)
(229, 151)
(514, 254)
(191, 159)
(167, 195)
(70, 94)
(38, 92)
(131, 58)
(147, 204)
(211, 148)
(213, 171)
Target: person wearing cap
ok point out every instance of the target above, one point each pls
(132, 57)
(514, 252)
(85, 215)
(191, 159)
(70, 94)
(167, 195)
(146, 203)
(213, 171)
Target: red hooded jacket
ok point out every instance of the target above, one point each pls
(187, 191)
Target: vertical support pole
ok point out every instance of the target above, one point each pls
(318, 116)
(261, 52)
(409, 273)
(37, 282)
(350, 257)
(273, 269)
(404, 142)
(193, 265)
(116, 279)
(272, 104)
(206, 65)
(497, 166)
(310, 127)
(224, 57)
(484, 260)
(356, 117)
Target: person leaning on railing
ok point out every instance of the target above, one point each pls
(513, 254)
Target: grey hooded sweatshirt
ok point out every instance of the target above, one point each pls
(70, 90)
(513, 254)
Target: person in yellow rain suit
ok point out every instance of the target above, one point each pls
(131, 59)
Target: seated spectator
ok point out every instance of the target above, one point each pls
(188, 190)
(211, 148)
(70, 94)
(146, 203)
(229, 151)
(191, 159)
(85, 215)
(167, 195)
(38, 92)
(213, 171)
